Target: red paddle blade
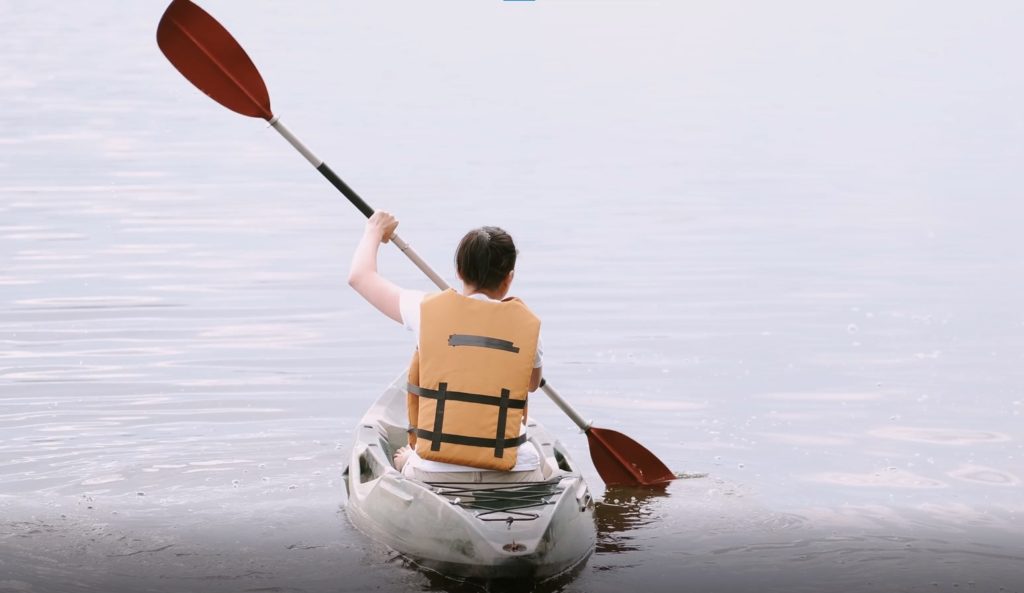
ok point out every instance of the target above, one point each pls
(210, 58)
(621, 461)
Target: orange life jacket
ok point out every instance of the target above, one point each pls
(469, 379)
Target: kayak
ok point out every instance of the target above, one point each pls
(487, 531)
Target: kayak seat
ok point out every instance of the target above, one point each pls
(392, 438)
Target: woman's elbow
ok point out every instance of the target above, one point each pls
(361, 284)
(355, 279)
(535, 379)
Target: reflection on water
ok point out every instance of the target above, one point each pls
(623, 514)
(440, 583)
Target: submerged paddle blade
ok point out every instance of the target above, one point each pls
(621, 461)
(210, 58)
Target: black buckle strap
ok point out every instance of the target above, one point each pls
(439, 414)
(499, 448)
(458, 439)
(475, 398)
(482, 342)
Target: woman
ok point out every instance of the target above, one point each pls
(478, 355)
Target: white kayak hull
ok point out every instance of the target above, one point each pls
(458, 533)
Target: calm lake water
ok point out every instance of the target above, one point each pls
(777, 243)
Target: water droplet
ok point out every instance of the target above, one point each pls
(852, 328)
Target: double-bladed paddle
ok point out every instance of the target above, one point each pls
(210, 58)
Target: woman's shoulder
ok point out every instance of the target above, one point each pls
(411, 296)
(409, 307)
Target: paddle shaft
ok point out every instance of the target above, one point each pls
(564, 405)
(353, 197)
(409, 252)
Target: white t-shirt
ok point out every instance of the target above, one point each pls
(527, 458)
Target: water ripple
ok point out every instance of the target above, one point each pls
(92, 302)
(985, 475)
(942, 436)
(889, 478)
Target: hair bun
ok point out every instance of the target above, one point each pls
(485, 256)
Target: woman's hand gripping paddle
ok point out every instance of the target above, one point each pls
(210, 58)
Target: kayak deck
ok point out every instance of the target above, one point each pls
(500, 501)
(476, 530)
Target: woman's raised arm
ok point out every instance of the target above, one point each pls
(363, 277)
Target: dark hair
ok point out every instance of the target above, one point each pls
(485, 256)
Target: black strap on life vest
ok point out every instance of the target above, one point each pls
(474, 398)
(438, 436)
(458, 439)
(482, 342)
(441, 392)
(499, 447)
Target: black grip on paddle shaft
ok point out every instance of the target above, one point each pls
(345, 189)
